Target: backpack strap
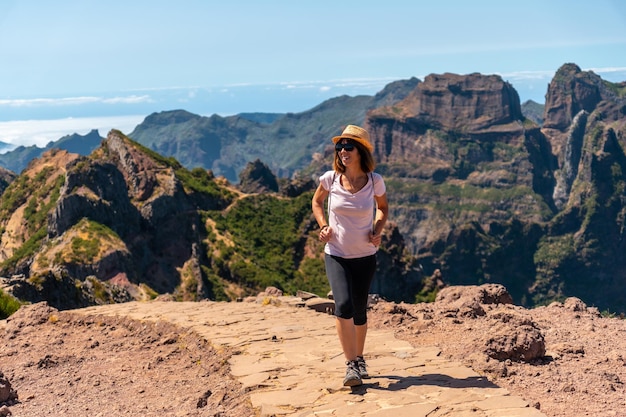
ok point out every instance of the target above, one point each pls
(374, 198)
(330, 192)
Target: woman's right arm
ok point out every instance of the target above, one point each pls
(318, 211)
(318, 206)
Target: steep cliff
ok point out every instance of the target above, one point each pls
(458, 149)
(124, 215)
(6, 177)
(582, 252)
(483, 194)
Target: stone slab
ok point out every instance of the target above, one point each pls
(290, 360)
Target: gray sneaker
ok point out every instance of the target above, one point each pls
(362, 367)
(353, 377)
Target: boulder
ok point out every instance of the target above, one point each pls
(7, 393)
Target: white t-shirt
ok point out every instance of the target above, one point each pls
(351, 216)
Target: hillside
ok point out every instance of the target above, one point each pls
(483, 194)
(126, 223)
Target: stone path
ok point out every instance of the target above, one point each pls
(290, 360)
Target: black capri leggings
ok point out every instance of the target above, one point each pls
(350, 281)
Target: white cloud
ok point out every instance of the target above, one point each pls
(528, 75)
(611, 72)
(128, 100)
(73, 101)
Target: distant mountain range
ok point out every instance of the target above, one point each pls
(481, 189)
(19, 158)
(226, 144)
(5, 146)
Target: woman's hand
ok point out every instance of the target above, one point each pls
(375, 239)
(326, 233)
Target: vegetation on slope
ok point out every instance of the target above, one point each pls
(259, 242)
(8, 304)
(38, 195)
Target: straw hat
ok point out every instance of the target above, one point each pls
(357, 134)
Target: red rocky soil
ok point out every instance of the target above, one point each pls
(73, 365)
(564, 359)
(581, 373)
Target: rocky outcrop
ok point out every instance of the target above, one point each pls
(586, 126)
(257, 178)
(429, 128)
(570, 92)
(7, 394)
(122, 227)
(459, 103)
(513, 336)
(573, 92)
(508, 333)
(480, 191)
(6, 177)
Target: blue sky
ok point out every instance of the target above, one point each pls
(113, 62)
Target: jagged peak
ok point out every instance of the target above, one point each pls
(572, 90)
(568, 69)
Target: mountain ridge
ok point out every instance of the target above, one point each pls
(479, 193)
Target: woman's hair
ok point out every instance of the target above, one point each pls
(367, 160)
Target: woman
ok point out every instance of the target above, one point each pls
(357, 213)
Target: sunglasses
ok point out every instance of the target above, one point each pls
(347, 146)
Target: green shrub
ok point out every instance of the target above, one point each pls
(8, 304)
(311, 277)
(266, 231)
(152, 294)
(199, 180)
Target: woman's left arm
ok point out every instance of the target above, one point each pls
(382, 210)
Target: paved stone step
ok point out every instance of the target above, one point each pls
(290, 360)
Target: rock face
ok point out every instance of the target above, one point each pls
(460, 103)
(483, 194)
(257, 178)
(120, 226)
(570, 92)
(6, 177)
